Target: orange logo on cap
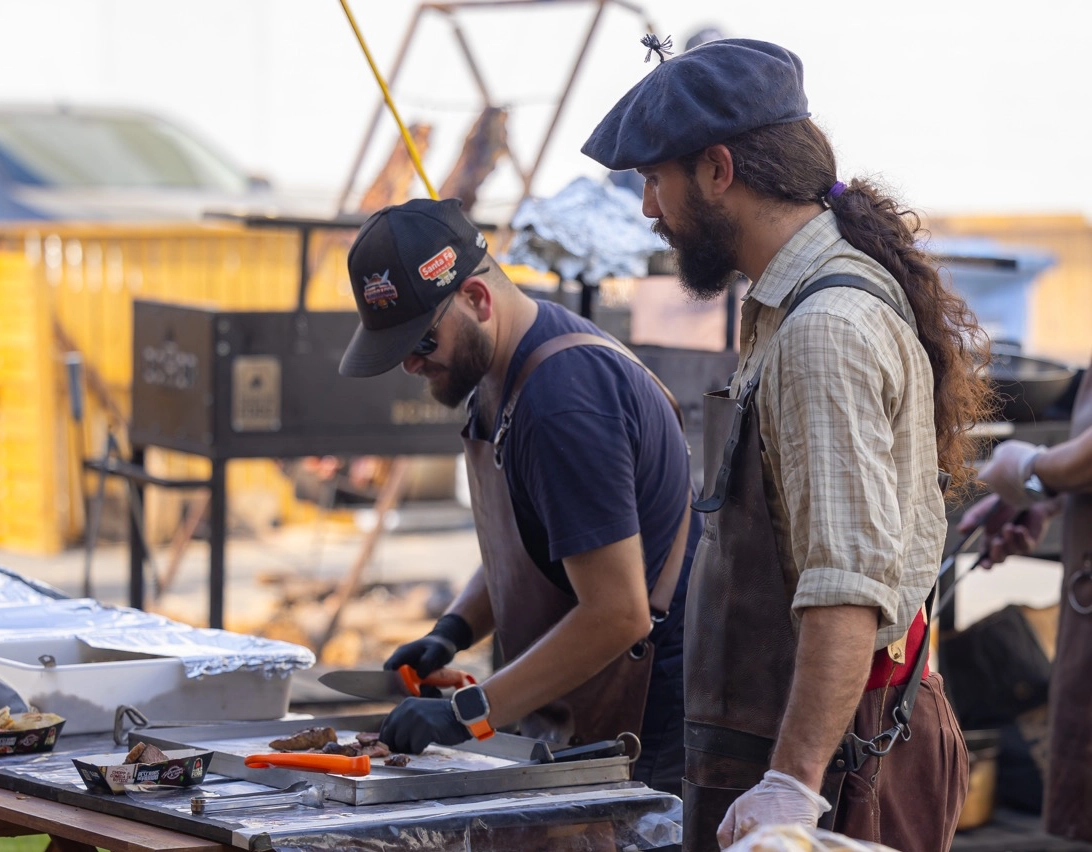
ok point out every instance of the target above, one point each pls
(437, 266)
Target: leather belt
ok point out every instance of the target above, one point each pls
(727, 742)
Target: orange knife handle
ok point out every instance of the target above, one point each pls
(339, 764)
(439, 678)
(450, 677)
(410, 678)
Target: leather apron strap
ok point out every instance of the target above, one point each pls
(526, 604)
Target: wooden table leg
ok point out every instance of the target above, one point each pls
(63, 844)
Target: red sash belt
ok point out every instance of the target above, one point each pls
(886, 671)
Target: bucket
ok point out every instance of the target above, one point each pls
(983, 748)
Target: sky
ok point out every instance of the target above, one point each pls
(959, 106)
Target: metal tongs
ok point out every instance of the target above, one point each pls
(300, 793)
(963, 545)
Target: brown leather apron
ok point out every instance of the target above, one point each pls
(526, 605)
(739, 646)
(1068, 810)
(739, 643)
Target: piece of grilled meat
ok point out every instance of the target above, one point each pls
(309, 738)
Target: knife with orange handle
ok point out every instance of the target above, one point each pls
(440, 678)
(335, 764)
(393, 686)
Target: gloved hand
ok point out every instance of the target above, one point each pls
(416, 722)
(1010, 531)
(1008, 469)
(435, 650)
(776, 799)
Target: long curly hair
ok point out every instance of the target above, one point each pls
(794, 163)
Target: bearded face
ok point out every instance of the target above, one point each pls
(471, 356)
(705, 243)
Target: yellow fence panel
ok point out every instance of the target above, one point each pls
(71, 286)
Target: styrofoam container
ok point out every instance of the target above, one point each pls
(86, 685)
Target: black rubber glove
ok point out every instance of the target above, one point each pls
(434, 651)
(416, 722)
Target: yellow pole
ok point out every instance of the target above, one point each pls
(414, 155)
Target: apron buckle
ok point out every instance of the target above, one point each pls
(853, 752)
(498, 440)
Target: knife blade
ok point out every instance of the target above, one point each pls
(383, 685)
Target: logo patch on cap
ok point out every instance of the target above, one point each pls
(439, 267)
(379, 292)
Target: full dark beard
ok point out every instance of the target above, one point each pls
(705, 246)
(469, 364)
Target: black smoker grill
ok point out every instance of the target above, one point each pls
(262, 384)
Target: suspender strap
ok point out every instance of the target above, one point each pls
(853, 751)
(842, 279)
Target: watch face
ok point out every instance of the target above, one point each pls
(470, 703)
(1033, 486)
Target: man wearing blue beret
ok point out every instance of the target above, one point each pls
(806, 629)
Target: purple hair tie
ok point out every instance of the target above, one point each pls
(836, 190)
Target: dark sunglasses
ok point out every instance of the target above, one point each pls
(427, 344)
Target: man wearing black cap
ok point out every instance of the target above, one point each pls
(825, 521)
(580, 487)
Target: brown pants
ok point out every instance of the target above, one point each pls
(909, 800)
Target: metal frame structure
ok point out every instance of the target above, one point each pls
(449, 12)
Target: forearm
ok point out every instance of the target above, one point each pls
(833, 657)
(1067, 466)
(581, 645)
(474, 606)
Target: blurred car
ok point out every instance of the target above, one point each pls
(93, 163)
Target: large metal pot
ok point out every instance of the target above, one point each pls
(1027, 387)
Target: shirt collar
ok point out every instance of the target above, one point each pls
(794, 260)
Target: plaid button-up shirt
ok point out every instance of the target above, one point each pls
(845, 405)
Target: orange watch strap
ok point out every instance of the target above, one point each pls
(481, 729)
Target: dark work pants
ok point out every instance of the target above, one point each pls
(661, 763)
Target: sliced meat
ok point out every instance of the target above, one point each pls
(367, 738)
(305, 739)
(134, 753)
(397, 760)
(347, 749)
(375, 750)
(153, 755)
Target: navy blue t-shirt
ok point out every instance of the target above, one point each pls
(595, 455)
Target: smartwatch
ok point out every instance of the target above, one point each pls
(472, 709)
(1035, 490)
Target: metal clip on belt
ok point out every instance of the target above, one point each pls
(852, 752)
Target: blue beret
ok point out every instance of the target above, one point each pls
(699, 98)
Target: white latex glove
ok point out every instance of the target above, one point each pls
(1008, 469)
(776, 799)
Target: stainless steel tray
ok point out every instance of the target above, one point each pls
(503, 763)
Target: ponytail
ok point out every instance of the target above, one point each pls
(794, 164)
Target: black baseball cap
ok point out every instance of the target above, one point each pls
(404, 262)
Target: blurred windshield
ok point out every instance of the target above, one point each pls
(65, 149)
